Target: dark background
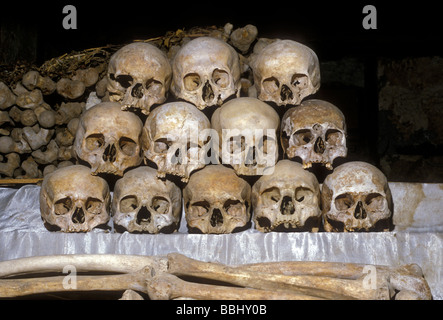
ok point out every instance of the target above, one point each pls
(351, 57)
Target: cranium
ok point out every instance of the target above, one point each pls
(144, 203)
(248, 128)
(174, 138)
(356, 197)
(315, 131)
(109, 139)
(206, 71)
(73, 200)
(217, 201)
(285, 72)
(139, 76)
(287, 200)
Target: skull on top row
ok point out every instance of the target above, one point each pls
(206, 71)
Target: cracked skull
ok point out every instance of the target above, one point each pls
(248, 129)
(144, 203)
(73, 200)
(175, 136)
(206, 71)
(285, 72)
(315, 132)
(356, 197)
(287, 200)
(108, 139)
(139, 76)
(217, 201)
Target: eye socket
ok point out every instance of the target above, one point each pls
(299, 80)
(192, 81)
(128, 204)
(220, 78)
(94, 141)
(267, 144)
(63, 206)
(271, 196)
(200, 208)
(162, 145)
(236, 144)
(127, 146)
(303, 195)
(374, 202)
(154, 87)
(303, 136)
(93, 205)
(160, 205)
(333, 137)
(233, 207)
(271, 85)
(125, 80)
(344, 201)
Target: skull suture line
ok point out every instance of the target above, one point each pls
(73, 200)
(356, 197)
(206, 71)
(287, 200)
(144, 203)
(175, 137)
(285, 72)
(315, 131)
(248, 128)
(217, 201)
(109, 139)
(139, 76)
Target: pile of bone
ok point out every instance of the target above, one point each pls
(161, 278)
(205, 112)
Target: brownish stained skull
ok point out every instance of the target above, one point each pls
(315, 132)
(139, 76)
(108, 139)
(356, 197)
(285, 72)
(287, 200)
(217, 201)
(144, 203)
(73, 200)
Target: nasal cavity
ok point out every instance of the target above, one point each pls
(287, 206)
(143, 216)
(216, 218)
(207, 93)
(78, 217)
(286, 93)
(360, 212)
(319, 146)
(110, 153)
(137, 91)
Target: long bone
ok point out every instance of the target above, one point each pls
(167, 286)
(318, 286)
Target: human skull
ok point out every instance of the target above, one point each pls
(175, 136)
(248, 129)
(285, 72)
(206, 71)
(109, 139)
(217, 201)
(356, 197)
(144, 203)
(287, 200)
(139, 76)
(315, 131)
(73, 200)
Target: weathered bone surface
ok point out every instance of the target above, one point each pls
(139, 76)
(144, 203)
(206, 71)
(315, 132)
(217, 201)
(109, 139)
(175, 138)
(248, 130)
(286, 72)
(356, 197)
(73, 200)
(287, 199)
